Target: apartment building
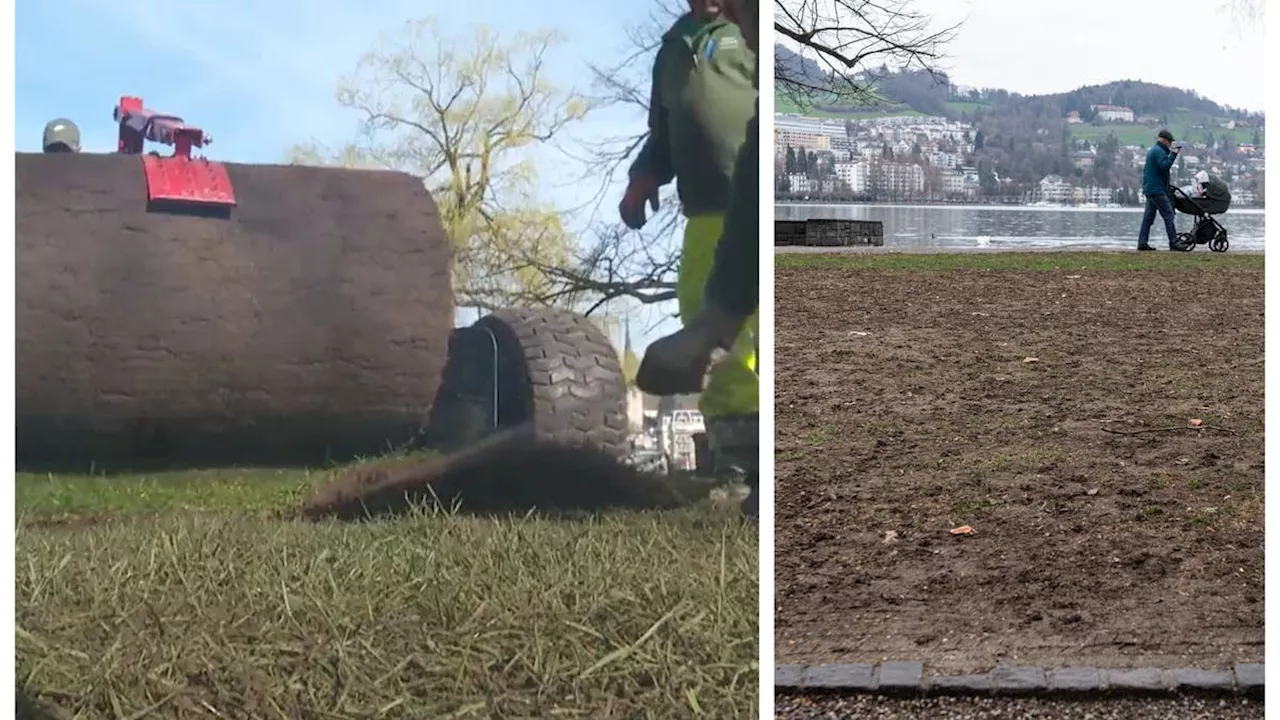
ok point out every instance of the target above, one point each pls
(854, 175)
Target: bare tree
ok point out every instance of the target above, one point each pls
(849, 39)
(617, 266)
(1247, 13)
(454, 114)
(616, 262)
(463, 114)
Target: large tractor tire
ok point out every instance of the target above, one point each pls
(559, 375)
(310, 324)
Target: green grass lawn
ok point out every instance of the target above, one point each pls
(186, 594)
(50, 499)
(1048, 261)
(1125, 134)
(967, 107)
(1182, 128)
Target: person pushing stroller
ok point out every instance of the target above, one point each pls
(1155, 186)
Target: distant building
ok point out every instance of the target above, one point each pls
(809, 133)
(1073, 117)
(954, 185)
(842, 144)
(854, 175)
(1099, 195)
(943, 159)
(1083, 159)
(800, 138)
(1054, 189)
(1113, 113)
(799, 183)
(898, 180)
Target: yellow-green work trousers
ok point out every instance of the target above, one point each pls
(734, 386)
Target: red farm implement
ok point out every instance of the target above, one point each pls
(178, 179)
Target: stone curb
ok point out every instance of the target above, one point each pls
(910, 678)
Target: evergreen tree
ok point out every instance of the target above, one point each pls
(791, 159)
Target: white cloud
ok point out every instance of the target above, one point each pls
(1045, 47)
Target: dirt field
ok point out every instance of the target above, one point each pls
(186, 595)
(1046, 405)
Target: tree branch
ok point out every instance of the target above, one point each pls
(846, 36)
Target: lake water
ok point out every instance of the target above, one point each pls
(980, 227)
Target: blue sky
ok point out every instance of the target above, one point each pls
(259, 77)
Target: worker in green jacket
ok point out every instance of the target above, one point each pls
(723, 314)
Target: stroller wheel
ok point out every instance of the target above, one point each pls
(1219, 243)
(1186, 242)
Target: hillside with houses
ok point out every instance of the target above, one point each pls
(921, 138)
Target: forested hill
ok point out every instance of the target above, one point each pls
(1072, 134)
(922, 92)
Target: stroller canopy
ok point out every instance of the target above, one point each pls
(1208, 196)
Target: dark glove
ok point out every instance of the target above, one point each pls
(641, 189)
(678, 363)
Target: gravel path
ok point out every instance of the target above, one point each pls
(875, 707)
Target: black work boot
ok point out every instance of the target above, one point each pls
(735, 449)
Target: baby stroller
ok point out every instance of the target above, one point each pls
(1209, 196)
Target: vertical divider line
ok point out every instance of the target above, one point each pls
(1271, 395)
(765, 61)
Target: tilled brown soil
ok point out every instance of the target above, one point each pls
(1106, 531)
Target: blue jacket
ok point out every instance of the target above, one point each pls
(1155, 174)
